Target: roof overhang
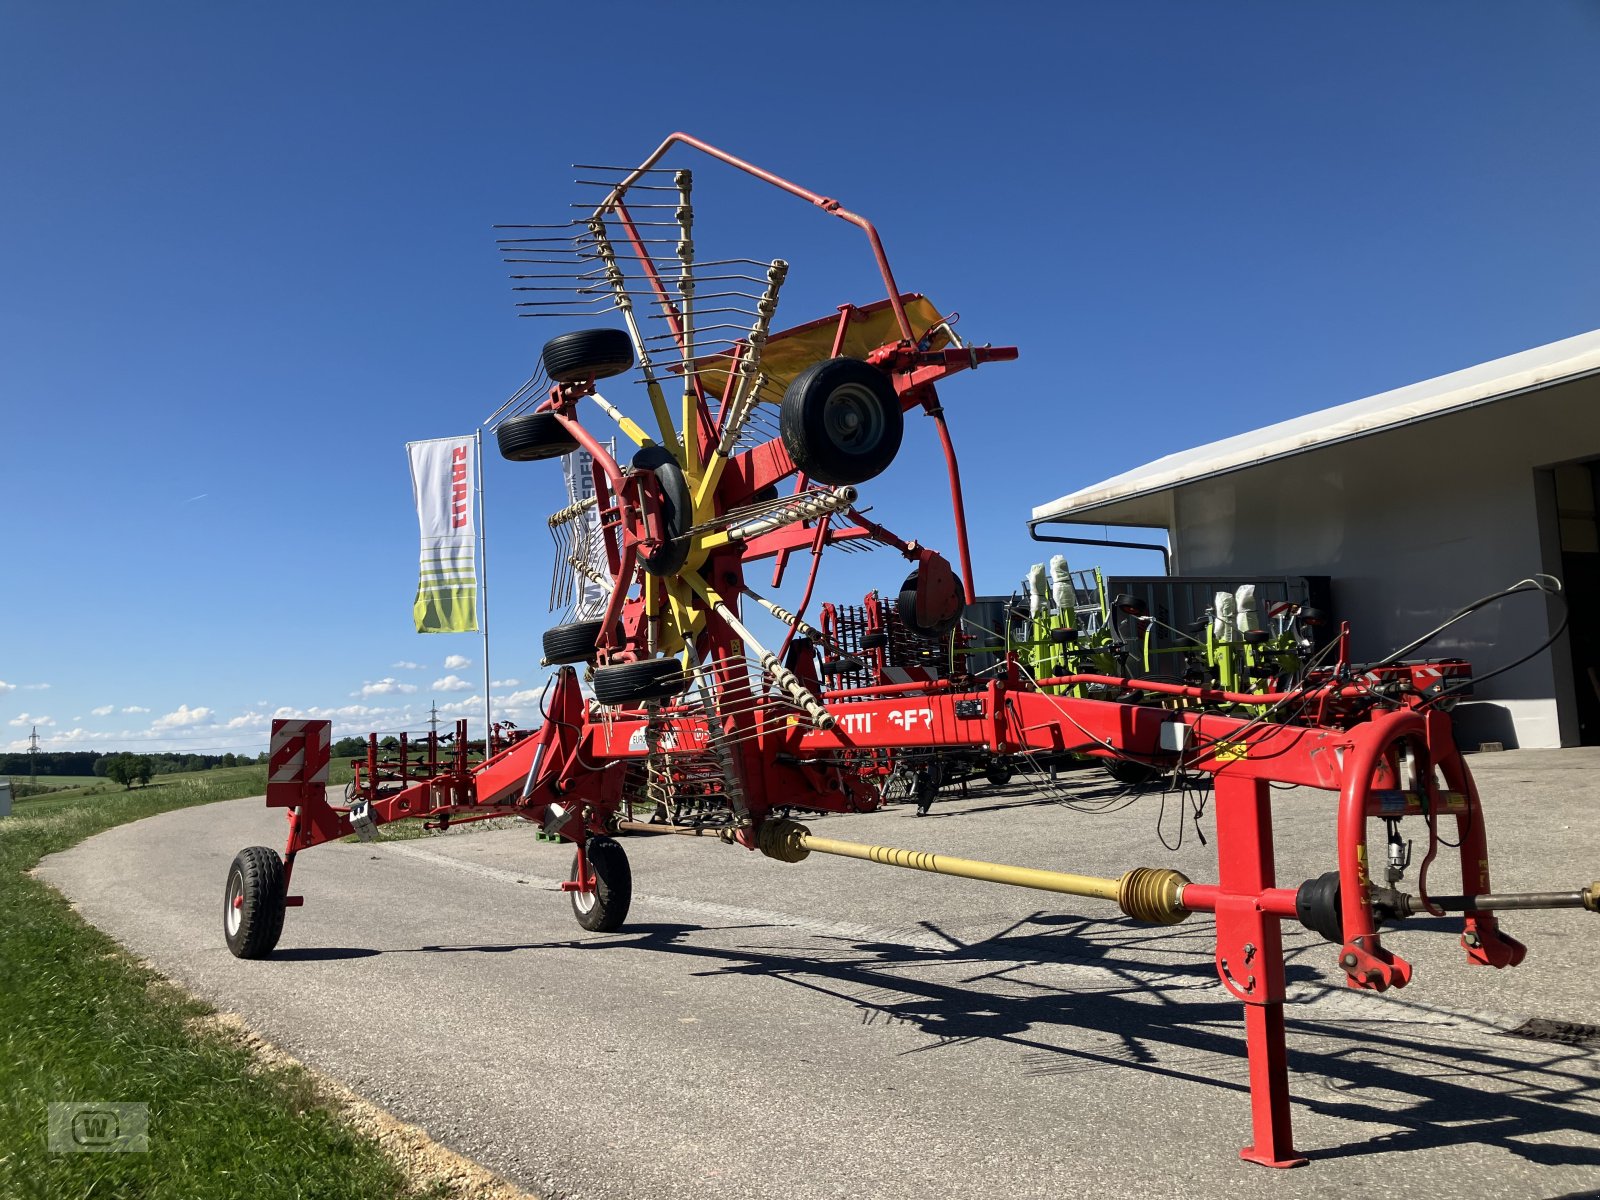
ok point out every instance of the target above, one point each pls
(1139, 497)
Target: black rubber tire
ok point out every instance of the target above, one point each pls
(574, 643)
(906, 607)
(872, 641)
(998, 774)
(928, 782)
(613, 886)
(636, 682)
(841, 421)
(677, 509)
(1126, 771)
(839, 666)
(532, 437)
(256, 875)
(588, 354)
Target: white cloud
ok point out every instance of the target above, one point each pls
(530, 696)
(450, 683)
(406, 665)
(456, 661)
(506, 683)
(6, 687)
(105, 710)
(181, 718)
(134, 708)
(324, 714)
(249, 720)
(387, 687)
(472, 704)
(75, 735)
(36, 687)
(23, 719)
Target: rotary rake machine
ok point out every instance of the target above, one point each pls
(691, 722)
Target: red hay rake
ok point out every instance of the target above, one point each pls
(695, 726)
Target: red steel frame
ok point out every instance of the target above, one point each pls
(568, 775)
(574, 767)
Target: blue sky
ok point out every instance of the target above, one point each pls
(246, 254)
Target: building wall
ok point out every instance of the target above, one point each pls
(1413, 524)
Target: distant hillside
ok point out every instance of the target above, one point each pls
(93, 762)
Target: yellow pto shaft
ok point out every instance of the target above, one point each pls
(1147, 894)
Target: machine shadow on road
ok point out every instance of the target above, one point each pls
(1428, 1084)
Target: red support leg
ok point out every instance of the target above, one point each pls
(1250, 960)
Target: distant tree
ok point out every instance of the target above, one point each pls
(228, 760)
(350, 747)
(100, 765)
(120, 769)
(143, 768)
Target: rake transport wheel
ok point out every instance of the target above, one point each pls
(677, 509)
(1133, 774)
(605, 907)
(841, 421)
(532, 437)
(573, 643)
(997, 773)
(588, 354)
(636, 682)
(252, 903)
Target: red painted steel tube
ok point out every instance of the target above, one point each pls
(613, 475)
(1196, 693)
(956, 501)
(1202, 897)
(823, 202)
(811, 583)
(891, 689)
(674, 321)
(1250, 960)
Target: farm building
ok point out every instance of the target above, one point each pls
(1415, 502)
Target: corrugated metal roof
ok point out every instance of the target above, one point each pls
(1497, 380)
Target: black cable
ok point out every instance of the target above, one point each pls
(1522, 585)
(1566, 616)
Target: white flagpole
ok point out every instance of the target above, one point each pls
(483, 596)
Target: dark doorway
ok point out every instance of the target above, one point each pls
(1577, 506)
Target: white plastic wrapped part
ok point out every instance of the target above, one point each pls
(1224, 609)
(1248, 618)
(1061, 590)
(1038, 591)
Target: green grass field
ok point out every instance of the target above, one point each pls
(81, 1020)
(59, 782)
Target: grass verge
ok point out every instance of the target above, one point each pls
(81, 1020)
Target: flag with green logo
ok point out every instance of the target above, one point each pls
(443, 484)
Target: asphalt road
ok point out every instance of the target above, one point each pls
(834, 1028)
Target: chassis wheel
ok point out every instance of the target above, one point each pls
(534, 436)
(841, 421)
(588, 354)
(998, 774)
(677, 509)
(574, 643)
(635, 682)
(252, 903)
(605, 908)
(1134, 774)
(953, 607)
